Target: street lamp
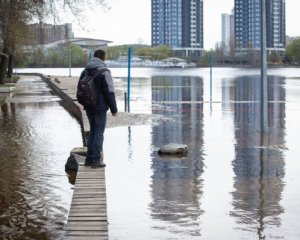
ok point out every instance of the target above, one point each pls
(263, 64)
(70, 61)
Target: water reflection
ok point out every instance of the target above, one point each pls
(259, 160)
(176, 187)
(36, 137)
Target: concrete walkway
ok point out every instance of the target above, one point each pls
(66, 88)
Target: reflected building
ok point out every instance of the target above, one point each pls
(259, 161)
(176, 184)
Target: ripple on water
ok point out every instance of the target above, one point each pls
(36, 137)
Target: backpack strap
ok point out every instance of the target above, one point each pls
(100, 71)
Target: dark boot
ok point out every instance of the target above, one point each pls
(98, 164)
(88, 162)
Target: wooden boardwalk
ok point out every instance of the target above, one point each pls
(88, 214)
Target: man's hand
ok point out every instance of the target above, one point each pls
(114, 114)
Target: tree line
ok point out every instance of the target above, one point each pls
(51, 57)
(59, 56)
(293, 52)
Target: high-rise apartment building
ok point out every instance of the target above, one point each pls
(43, 33)
(247, 24)
(228, 31)
(179, 25)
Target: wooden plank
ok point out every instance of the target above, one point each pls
(89, 195)
(103, 214)
(89, 206)
(90, 181)
(88, 212)
(87, 223)
(88, 200)
(88, 228)
(91, 174)
(89, 184)
(87, 192)
(82, 218)
(89, 187)
(92, 170)
(82, 189)
(93, 209)
(89, 169)
(87, 233)
(84, 238)
(83, 203)
(84, 170)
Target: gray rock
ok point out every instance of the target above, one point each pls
(79, 151)
(173, 149)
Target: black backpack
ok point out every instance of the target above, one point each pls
(86, 93)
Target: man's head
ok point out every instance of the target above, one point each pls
(100, 54)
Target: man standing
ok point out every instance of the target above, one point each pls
(104, 87)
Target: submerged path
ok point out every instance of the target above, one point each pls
(66, 88)
(88, 213)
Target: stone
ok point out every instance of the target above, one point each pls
(79, 151)
(73, 162)
(173, 149)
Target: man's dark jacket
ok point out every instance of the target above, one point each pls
(104, 86)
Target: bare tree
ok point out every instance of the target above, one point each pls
(15, 15)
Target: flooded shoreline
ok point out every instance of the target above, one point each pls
(234, 182)
(36, 137)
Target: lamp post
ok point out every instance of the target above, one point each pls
(210, 82)
(70, 61)
(263, 64)
(129, 79)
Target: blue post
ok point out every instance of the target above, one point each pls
(210, 64)
(128, 82)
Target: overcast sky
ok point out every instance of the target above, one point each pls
(129, 21)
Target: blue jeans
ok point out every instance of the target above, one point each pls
(97, 122)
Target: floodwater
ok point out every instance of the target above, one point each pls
(235, 183)
(37, 135)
